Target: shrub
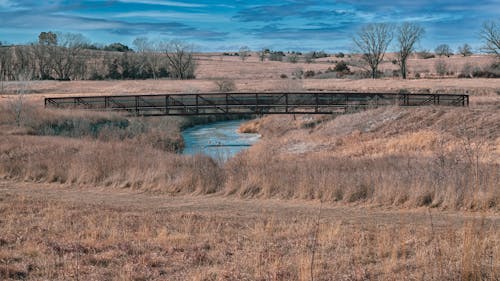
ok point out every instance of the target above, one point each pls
(441, 67)
(342, 67)
(297, 73)
(225, 85)
(467, 71)
(293, 58)
(309, 74)
(283, 76)
(424, 54)
(339, 55)
(492, 71)
(276, 56)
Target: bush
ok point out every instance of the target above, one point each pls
(283, 76)
(342, 67)
(293, 58)
(309, 74)
(225, 85)
(297, 73)
(467, 71)
(424, 54)
(339, 55)
(276, 56)
(492, 71)
(441, 67)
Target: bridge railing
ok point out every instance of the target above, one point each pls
(252, 103)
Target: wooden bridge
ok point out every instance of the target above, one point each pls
(252, 103)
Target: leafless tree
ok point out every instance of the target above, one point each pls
(372, 41)
(443, 50)
(244, 53)
(408, 34)
(490, 33)
(150, 54)
(67, 56)
(4, 64)
(43, 60)
(262, 55)
(465, 50)
(180, 59)
(16, 104)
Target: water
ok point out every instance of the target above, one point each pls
(219, 140)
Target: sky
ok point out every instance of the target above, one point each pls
(223, 25)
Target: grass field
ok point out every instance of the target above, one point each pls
(386, 194)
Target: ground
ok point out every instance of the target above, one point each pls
(94, 234)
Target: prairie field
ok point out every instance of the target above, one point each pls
(388, 193)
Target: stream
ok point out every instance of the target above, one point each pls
(219, 140)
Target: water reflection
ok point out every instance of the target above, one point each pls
(219, 140)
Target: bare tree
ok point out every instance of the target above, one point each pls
(150, 52)
(408, 34)
(180, 60)
(67, 57)
(47, 41)
(262, 54)
(465, 50)
(443, 50)
(244, 53)
(16, 104)
(490, 33)
(372, 41)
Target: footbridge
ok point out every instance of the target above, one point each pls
(252, 103)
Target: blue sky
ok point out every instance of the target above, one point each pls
(222, 25)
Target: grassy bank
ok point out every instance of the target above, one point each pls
(389, 157)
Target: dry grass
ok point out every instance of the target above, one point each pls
(60, 238)
(388, 156)
(427, 165)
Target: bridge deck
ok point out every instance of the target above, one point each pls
(252, 103)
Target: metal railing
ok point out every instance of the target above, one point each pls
(252, 103)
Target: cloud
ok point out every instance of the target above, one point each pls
(155, 15)
(163, 3)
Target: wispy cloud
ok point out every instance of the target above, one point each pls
(169, 15)
(304, 24)
(164, 3)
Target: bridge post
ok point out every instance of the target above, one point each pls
(317, 103)
(197, 106)
(286, 102)
(256, 103)
(166, 104)
(136, 105)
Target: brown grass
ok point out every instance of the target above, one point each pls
(57, 237)
(97, 204)
(388, 156)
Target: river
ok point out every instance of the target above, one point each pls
(220, 140)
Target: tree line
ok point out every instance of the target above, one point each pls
(69, 56)
(373, 40)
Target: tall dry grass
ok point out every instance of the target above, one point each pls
(389, 157)
(43, 239)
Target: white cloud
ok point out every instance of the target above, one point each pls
(200, 17)
(5, 3)
(162, 3)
